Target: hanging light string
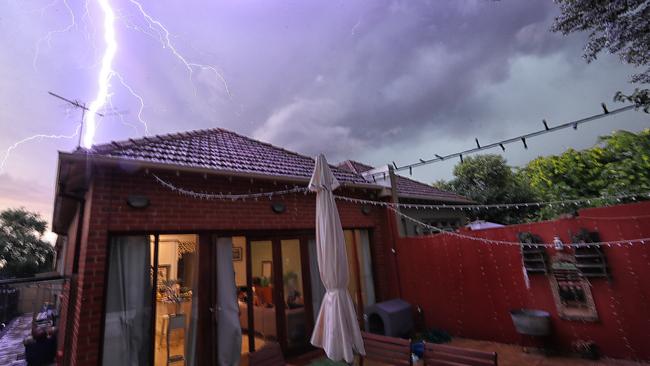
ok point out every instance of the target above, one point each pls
(501, 144)
(269, 195)
(299, 189)
(438, 230)
(228, 197)
(560, 203)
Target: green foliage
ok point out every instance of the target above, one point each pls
(23, 252)
(488, 179)
(619, 164)
(618, 27)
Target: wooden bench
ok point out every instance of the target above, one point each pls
(386, 350)
(269, 355)
(442, 355)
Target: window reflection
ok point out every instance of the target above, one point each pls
(176, 289)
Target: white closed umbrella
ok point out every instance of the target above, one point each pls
(336, 330)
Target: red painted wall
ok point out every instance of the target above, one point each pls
(107, 212)
(467, 287)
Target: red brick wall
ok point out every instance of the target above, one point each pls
(107, 212)
(468, 288)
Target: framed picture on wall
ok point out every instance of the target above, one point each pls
(236, 254)
(163, 273)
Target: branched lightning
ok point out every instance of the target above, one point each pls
(48, 37)
(158, 32)
(165, 39)
(35, 137)
(139, 98)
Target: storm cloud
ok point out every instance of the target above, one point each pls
(372, 80)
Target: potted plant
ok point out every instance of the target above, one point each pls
(171, 291)
(586, 349)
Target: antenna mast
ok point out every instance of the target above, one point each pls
(79, 105)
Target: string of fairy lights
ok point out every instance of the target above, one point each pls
(438, 230)
(469, 207)
(394, 208)
(228, 196)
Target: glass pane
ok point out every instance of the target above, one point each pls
(353, 269)
(176, 300)
(296, 321)
(239, 260)
(317, 286)
(127, 325)
(365, 267)
(263, 305)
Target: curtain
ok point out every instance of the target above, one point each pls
(127, 330)
(317, 287)
(228, 328)
(190, 340)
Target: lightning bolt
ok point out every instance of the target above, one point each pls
(104, 77)
(157, 31)
(165, 39)
(34, 137)
(48, 37)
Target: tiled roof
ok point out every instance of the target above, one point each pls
(409, 188)
(221, 150)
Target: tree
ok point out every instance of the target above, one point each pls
(487, 179)
(23, 251)
(619, 164)
(621, 27)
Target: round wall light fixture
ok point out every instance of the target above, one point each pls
(278, 207)
(137, 201)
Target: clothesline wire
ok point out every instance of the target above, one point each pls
(502, 143)
(516, 243)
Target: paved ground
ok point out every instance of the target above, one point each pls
(12, 350)
(508, 355)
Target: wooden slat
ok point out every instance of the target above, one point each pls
(463, 360)
(389, 350)
(436, 353)
(458, 350)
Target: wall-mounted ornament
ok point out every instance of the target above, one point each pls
(571, 290)
(137, 201)
(365, 209)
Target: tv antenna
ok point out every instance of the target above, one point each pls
(82, 106)
(76, 104)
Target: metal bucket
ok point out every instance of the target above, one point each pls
(531, 322)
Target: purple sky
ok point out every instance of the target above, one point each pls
(375, 81)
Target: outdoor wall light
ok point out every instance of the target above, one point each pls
(278, 207)
(136, 201)
(365, 210)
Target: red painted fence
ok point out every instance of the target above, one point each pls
(468, 288)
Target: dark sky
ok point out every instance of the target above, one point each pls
(376, 81)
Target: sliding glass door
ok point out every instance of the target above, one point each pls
(151, 300)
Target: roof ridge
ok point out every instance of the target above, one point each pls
(172, 136)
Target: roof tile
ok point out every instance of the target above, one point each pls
(219, 149)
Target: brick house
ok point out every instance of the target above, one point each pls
(143, 260)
